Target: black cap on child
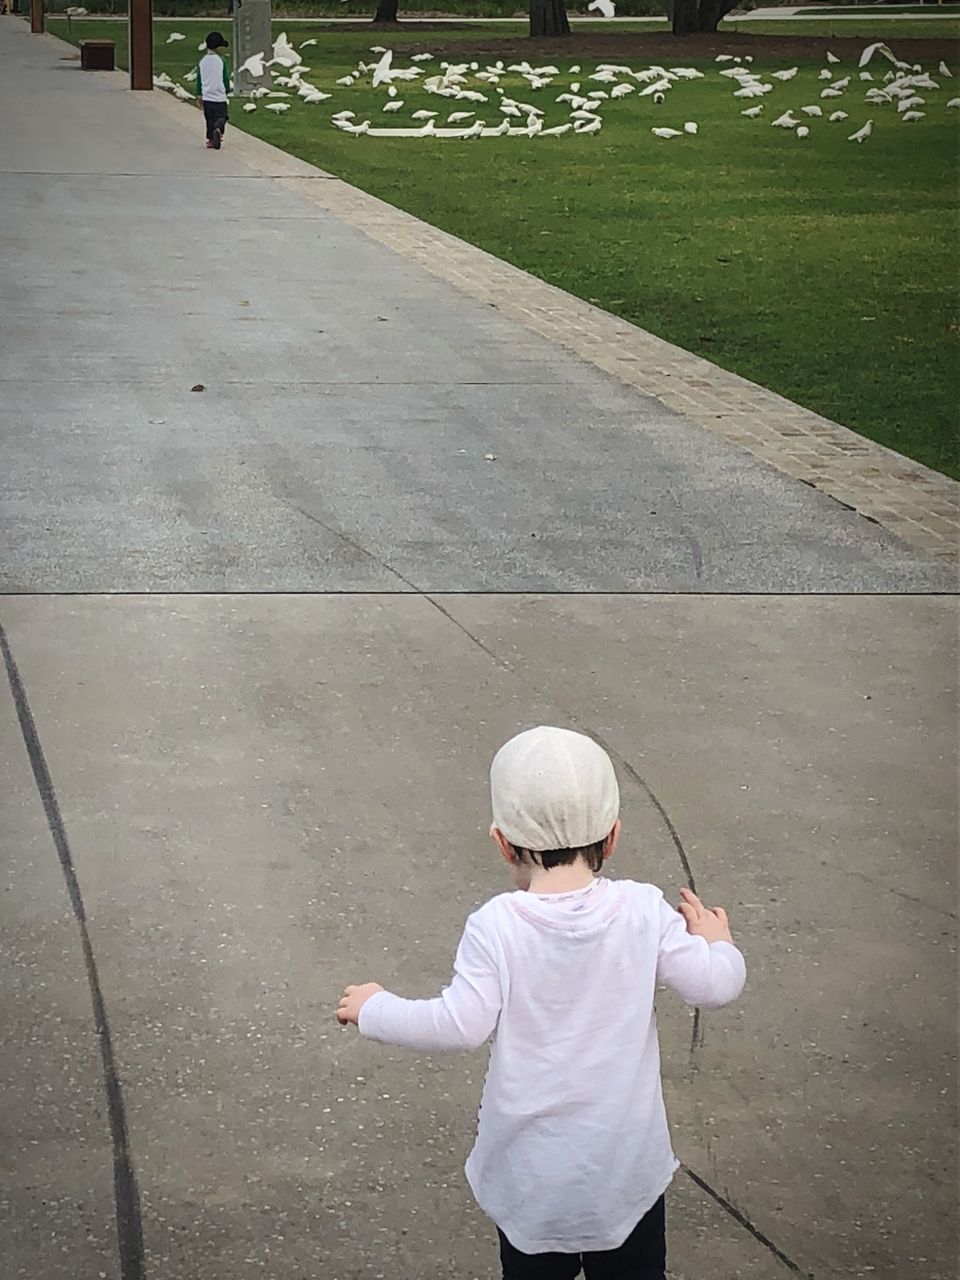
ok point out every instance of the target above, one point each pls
(215, 41)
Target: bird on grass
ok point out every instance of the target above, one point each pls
(837, 116)
(802, 132)
(752, 112)
(667, 133)
(862, 134)
(786, 121)
(249, 106)
(277, 107)
(253, 66)
(812, 111)
(785, 75)
(872, 49)
(174, 36)
(691, 127)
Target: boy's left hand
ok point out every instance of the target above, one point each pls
(353, 1000)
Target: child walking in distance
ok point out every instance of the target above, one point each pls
(573, 1155)
(213, 89)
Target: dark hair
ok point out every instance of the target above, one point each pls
(592, 855)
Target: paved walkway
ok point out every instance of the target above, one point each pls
(246, 735)
(354, 393)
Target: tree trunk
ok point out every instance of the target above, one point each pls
(548, 18)
(386, 12)
(711, 11)
(686, 17)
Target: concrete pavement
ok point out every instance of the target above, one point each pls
(351, 399)
(269, 796)
(259, 795)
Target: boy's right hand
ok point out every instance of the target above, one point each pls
(707, 922)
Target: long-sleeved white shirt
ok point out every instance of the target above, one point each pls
(572, 1144)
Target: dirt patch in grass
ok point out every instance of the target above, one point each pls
(625, 46)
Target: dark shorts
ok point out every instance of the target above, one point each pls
(642, 1256)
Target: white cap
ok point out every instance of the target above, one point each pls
(553, 789)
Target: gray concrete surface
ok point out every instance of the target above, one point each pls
(267, 797)
(351, 400)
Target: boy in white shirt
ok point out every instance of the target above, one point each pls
(573, 1155)
(213, 89)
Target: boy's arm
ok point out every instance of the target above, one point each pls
(199, 82)
(709, 974)
(462, 1017)
(226, 76)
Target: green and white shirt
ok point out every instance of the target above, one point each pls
(213, 78)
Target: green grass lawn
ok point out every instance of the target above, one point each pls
(869, 28)
(888, 9)
(822, 269)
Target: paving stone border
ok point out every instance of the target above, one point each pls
(911, 501)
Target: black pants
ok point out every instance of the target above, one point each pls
(215, 114)
(642, 1256)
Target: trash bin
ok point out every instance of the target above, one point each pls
(97, 55)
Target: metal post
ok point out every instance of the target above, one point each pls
(36, 17)
(140, 24)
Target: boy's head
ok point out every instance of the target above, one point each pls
(555, 799)
(215, 41)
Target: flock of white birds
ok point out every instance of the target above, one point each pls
(881, 83)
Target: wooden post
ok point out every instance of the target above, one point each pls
(140, 23)
(36, 17)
